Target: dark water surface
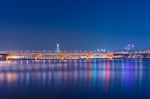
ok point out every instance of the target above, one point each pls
(75, 79)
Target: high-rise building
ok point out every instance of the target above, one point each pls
(57, 49)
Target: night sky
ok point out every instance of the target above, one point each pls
(75, 24)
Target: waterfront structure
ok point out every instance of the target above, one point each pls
(75, 55)
(63, 55)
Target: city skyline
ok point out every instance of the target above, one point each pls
(58, 49)
(74, 49)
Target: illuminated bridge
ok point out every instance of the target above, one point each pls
(62, 56)
(73, 55)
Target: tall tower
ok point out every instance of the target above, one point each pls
(57, 49)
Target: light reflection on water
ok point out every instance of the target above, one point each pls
(96, 77)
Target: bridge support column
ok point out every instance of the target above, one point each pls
(7, 58)
(35, 58)
(62, 58)
(88, 58)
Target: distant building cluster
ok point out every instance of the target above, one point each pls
(126, 49)
(147, 51)
(129, 47)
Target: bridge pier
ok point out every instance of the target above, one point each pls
(36, 58)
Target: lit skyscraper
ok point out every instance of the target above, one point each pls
(57, 49)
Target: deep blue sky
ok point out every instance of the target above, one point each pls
(75, 24)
